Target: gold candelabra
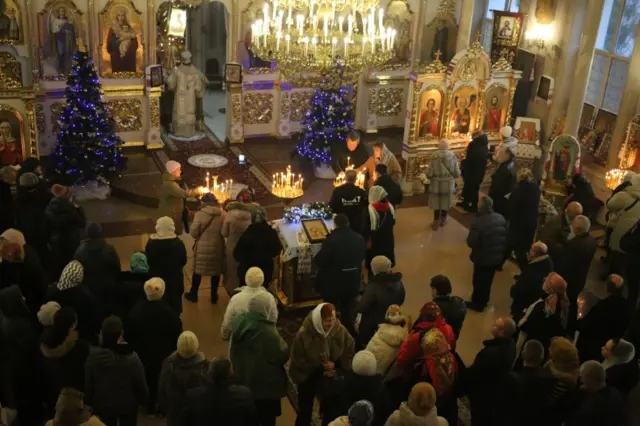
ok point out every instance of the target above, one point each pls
(222, 191)
(613, 178)
(285, 185)
(360, 177)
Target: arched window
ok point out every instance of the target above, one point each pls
(614, 45)
(487, 22)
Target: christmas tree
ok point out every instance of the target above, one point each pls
(87, 147)
(328, 122)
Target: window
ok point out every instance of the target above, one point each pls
(487, 22)
(614, 46)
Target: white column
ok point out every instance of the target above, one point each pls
(628, 104)
(583, 66)
(465, 24)
(416, 47)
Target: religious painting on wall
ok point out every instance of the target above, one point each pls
(430, 113)
(121, 40)
(464, 108)
(527, 130)
(495, 109)
(629, 156)
(400, 17)
(12, 146)
(564, 160)
(62, 31)
(507, 30)
(545, 11)
(11, 28)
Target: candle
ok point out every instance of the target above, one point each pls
(334, 40)
(346, 45)
(275, 9)
(299, 19)
(349, 25)
(348, 161)
(288, 40)
(340, 21)
(278, 35)
(326, 26)
(314, 23)
(314, 41)
(380, 16)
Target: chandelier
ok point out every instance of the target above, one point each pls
(312, 36)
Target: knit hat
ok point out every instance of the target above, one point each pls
(364, 363)
(171, 166)
(14, 236)
(72, 276)
(380, 265)
(186, 57)
(94, 230)
(506, 131)
(111, 330)
(430, 311)
(254, 277)
(47, 313)
(624, 351)
(188, 344)
(29, 180)
(60, 191)
(394, 315)
(165, 228)
(422, 399)
(154, 288)
(70, 409)
(563, 359)
(361, 414)
(434, 343)
(263, 303)
(138, 263)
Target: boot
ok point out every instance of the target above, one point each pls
(443, 220)
(435, 225)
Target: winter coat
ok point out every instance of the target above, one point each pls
(525, 394)
(236, 221)
(79, 298)
(342, 157)
(602, 408)
(172, 198)
(258, 354)
(442, 172)
(394, 191)
(554, 233)
(474, 164)
(411, 349)
(608, 319)
(537, 325)
(309, 346)
(623, 377)
(382, 291)
(28, 275)
(101, 272)
(166, 258)
(228, 405)
(574, 261)
(340, 421)
(340, 264)
(385, 344)
(503, 181)
(523, 215)
(208, 249)
(453, 310)
(64, 366)
(178, 375)
(238, 304)
(152, 329)
(114, 380)
(394, 170)
(6, 207)
(31, 219)
(130, 291)
(403, 416)
(626, 207)
(66, 223)
(257, 246)
(487, 239)
(490, 370)
(581, 191)
(350, 200)
(381, 241)
(528, 286)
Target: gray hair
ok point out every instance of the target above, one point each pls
(508, 326)
(486, 204)
(582, 223)
(350, 176)
(444, 144)
(593, 375)
(533, 353)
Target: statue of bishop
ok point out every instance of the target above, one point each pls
(189, 84)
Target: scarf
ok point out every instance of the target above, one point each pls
(378, 203)
(385, 156)
(438, 361)
(551, 306)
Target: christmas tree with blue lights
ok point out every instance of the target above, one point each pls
(87, 147)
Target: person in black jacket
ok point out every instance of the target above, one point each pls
(33, 166)
(599, 404)
(340, 268)
(621, 365)
(384, 179)
(66, 220)
(523, 214)
(220, 400)
(581, 191)
(30, 204)
(503, 179)
(167, 256)
(453, 308)
(385, 288)
(377, 226)
(350, 200)
(474, 167)
(487, 239)
(528, 286)
(101, 269)
(489, 373)
(7, 179)
(152, 329)
(131, 288)
(351, 153)
(258, 246)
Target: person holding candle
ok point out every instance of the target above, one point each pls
(352, 153)
(172, 195)
(350, 200)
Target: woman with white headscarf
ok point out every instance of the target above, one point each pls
(442, 173)
(378, 223)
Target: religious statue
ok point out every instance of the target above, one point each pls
(63, 42)
(188, 83)
(429, 119)
(10, 152)
(494, 115)
(122, 43)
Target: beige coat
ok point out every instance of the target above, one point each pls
(208, 250)
(442, 173)
(385, 344)
(172, 198)
(626, 212)
(236, 221)
(405, 417)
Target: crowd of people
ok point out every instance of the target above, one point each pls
(78, 332)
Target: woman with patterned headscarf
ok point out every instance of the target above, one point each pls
(523, 211)
(377, 226)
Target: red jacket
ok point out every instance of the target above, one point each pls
(410, 350)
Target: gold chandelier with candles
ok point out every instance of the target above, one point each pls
(312, 36)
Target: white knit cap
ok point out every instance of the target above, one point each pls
(188, 344)
(254, 277)
(72, 276)
(171, 166)
(380, 264)
(14, 236)
(186, 56)
(47, 312)
(506, 131)
(364, 363)
(165, 228)
(154, 288)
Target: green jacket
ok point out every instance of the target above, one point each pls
(258, 355)
(171, 199)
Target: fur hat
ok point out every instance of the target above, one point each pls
(72, 276)
(506, 131)
(154, 288)
(188, 344)
(422, 399)
(254, 277)
(165, 228)
(394, 315)
(171, 166)
(563, 359)
(29, 180)
(380, 265)
(361, 414)
(94, 230)
(47, 312)
(364, 363)
(60, 191)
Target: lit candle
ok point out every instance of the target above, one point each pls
(299, 19)
(275, 9)
(334, 40)
(340, 21)
(314, 21)
(326, 26)
(288, 40)
(278, 35)
(348, 161)
(380, 16)
(349, 25)
(314, 41)
(333, 10)
(289, 14)
(265, 11)
(346, 45)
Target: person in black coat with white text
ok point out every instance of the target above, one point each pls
(350, 200)
(528, 286)
(474, 167)
(523, 217)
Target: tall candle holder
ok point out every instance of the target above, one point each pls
(360, 177)
(285, 185)
(222, 191)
